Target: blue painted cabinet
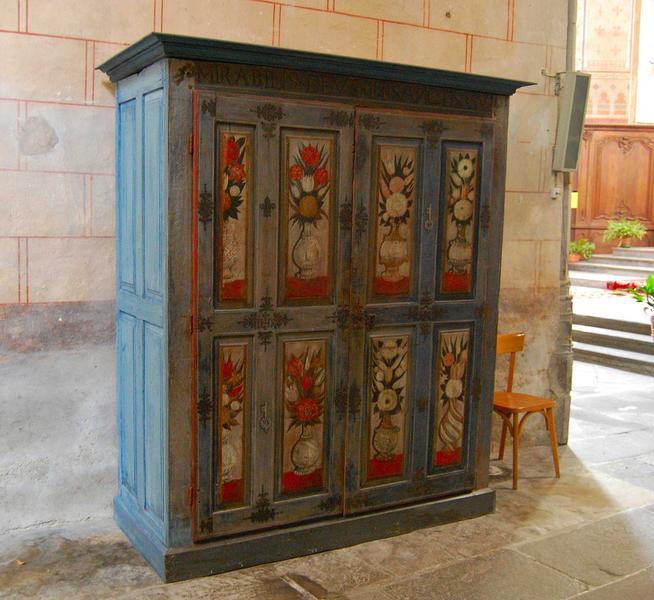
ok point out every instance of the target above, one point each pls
(307, 281)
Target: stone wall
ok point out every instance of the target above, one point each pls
(57, 430)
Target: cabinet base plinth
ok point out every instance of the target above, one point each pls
(210, 558)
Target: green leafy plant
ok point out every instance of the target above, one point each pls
(583, 247)
(645, 294)
(623, 229)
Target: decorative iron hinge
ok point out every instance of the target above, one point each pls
(269, 113)
(206, 525)
(205, 323)
(341, 316)
(204, 406)
(360, 317)
(423, 313)
(433, 131)
(354, 399)
(369, 121)
(263, 511)
(345, 215)
(267, 206)
(205, 207)
(340, 400)
(331, 503)
(485, 217)
(264, 320)
(361, 220)
(209, 106)
(340, 118)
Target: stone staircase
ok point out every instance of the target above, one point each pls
(612, 339)
(625, 345)
(625, 264)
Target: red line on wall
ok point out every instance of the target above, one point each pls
(56, 102)
(18, 243)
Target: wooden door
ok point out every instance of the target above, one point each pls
(418, 287)
(273, 248)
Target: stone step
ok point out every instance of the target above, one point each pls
(616, 358)
(611, 338)
(643, 251)
(641, 329)
(593, 280)
(619, 272)
(623, 261)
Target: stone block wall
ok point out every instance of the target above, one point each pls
(57, 194)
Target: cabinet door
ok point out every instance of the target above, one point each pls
(417, 292)
(273, 178)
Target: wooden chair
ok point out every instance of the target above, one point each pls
(509, 405)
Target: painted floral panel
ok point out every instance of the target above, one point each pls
(309, 186)
(396, 197)
(389, 362)
(305, 396)
(452, 366)
(232, 379)
(234, 183)
(461, 181)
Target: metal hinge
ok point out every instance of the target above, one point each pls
(191, 143)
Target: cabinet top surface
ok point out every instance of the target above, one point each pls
(157, 46)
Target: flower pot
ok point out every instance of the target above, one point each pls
(651, 320)
(306, 255)
(624, 242)
(385, 439)
(229, 456)
(305, 452)
(573, 257)
(393, 253)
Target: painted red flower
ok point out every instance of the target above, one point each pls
(310, 155)
(226, 201)
(306, 383)
(307, 410)
(228, 369)
(294, 367)
(236, 172)
(448, 359)
(232, 151)
(235, 391)
(295, 172)
(321, 176)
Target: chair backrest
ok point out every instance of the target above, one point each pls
(510, 343)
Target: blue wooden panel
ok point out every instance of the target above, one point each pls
(126, 233)
(154, 419)
(127, 341)
(153, 186)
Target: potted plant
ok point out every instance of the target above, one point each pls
(580, 249)
(645, 294)
(624, 231)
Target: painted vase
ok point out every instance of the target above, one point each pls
(305, 452)
(385, 439)
(393, 253)
(228, 457)
(306, 255)
(459, 251)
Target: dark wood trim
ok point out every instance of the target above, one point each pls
(156, 46)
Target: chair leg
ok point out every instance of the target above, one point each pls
(549, 415)
(503, 439)
(516, 446)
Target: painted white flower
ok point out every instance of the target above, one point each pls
(389, 350)
(234, 405)
(396, 205)
(307, 183)
(387, 400)
(226, 400)
(453, 388)
(463, 210)
(464, 168)
(234, 191)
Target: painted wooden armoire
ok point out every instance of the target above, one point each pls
(308, 258)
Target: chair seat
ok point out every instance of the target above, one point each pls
(514, 402)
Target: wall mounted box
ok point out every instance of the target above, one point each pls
(307, 284)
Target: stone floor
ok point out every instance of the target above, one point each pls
(589, 535)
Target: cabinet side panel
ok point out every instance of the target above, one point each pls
(141, 299)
